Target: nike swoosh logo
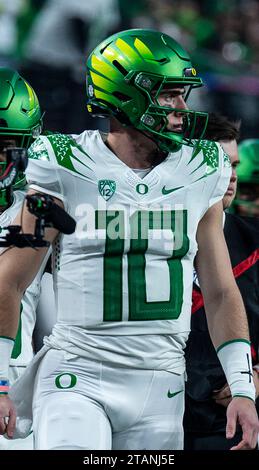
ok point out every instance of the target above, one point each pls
(168, 191)
(171, 395)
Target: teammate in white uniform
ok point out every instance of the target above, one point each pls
(20, 120)
(145, 197)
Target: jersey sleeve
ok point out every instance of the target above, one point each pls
(218, 182)
(42, 172)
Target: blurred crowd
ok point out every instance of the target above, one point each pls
(48, 41)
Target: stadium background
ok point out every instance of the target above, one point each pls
(48, 42)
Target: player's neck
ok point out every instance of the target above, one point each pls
(134, 149)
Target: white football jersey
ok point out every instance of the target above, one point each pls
(123, 280)
(23, 349)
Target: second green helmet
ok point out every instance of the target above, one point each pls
(127, 72)
(248, 169)
(20, 113)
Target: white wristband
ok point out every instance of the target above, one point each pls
(6, 347)
(236, 361)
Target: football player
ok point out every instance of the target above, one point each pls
(146, 197)
(20, 124)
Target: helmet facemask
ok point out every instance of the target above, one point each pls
(20, 183)
(155, 119)
(23, 137)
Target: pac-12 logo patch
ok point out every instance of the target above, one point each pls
(106, 188)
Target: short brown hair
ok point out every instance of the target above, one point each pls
(220, 127)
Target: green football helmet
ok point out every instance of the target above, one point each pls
(20, 118)
(248, 169)
(127, 72)
(248, 175)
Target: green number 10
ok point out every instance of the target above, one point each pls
(141, 223)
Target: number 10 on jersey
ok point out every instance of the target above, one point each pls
(143, 252)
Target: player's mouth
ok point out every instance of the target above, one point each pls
(230, 191)
(177, 129)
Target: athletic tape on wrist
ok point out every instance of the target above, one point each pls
(6, 347)
(235, 358)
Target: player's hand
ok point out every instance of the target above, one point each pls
(223, 396)
(242, 410)
(7, 416)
